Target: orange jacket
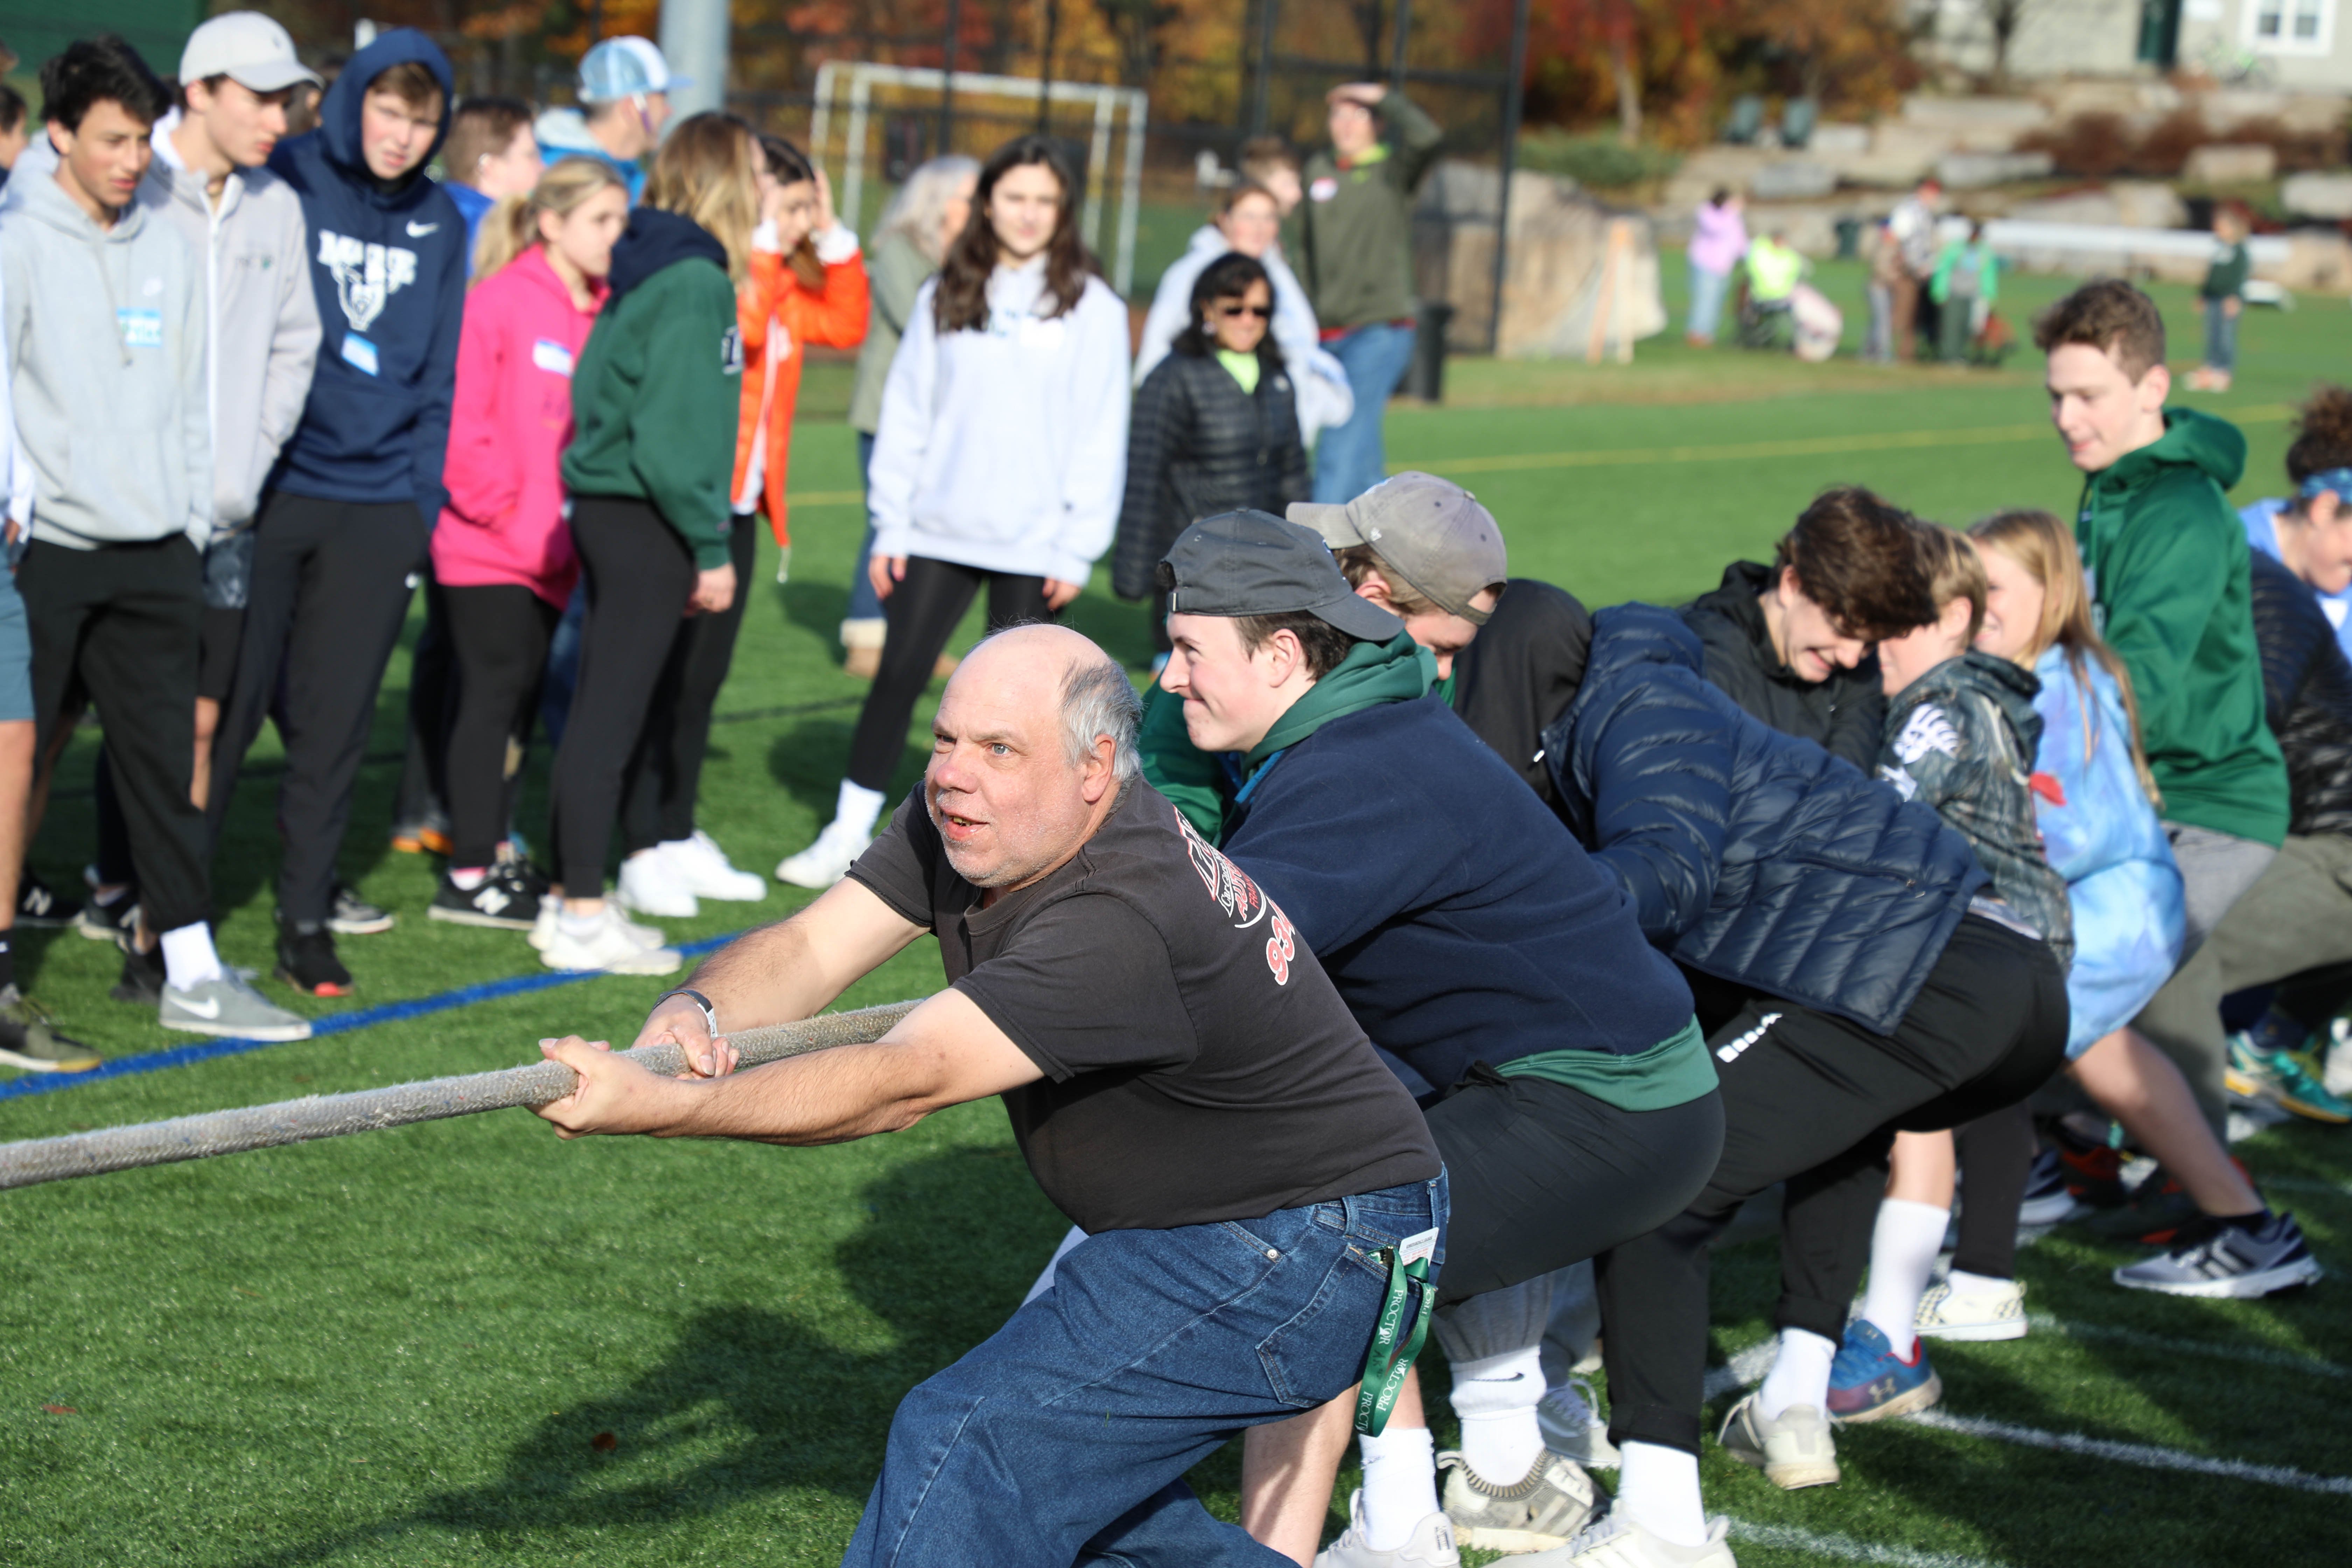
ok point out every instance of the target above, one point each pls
(778, 313)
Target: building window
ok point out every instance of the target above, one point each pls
(2290, 26)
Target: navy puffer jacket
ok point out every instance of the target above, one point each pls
(1751, 855)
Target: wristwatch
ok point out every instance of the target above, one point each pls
(709, 1012)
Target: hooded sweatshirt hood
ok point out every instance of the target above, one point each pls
(2214, 448)
(655, 239)
(387, 264)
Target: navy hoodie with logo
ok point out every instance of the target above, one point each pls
(388, 264)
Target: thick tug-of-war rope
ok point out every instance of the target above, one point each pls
(39, 1160)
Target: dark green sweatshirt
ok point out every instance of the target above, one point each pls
(1357, 221)
(2166, 559)
(655, 396)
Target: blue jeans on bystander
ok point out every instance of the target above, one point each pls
(1065, 1435)
(1350, 459)
(1707, 293)
(2220, 338)
(863, 604)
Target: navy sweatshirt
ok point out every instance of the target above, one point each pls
(1457, 919)
(388, 264)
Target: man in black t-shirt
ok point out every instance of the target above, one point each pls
(1181, 1076)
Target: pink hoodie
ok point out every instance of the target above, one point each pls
(511, 421)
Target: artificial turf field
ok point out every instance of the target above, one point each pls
(468, 1342)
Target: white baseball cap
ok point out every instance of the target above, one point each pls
(247, 48)
(624, 68)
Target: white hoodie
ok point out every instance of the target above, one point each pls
(1005, 448)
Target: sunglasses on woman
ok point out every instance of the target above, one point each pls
(1263, 313)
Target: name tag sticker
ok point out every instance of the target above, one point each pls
(1323, 189)
(1419, 1248)
(552, 356)
(141, 329)
(359, 353)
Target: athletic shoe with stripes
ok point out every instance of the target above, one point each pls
(2283, 1078)
(1543, 1508)
(2226, 1259)
(39, 904)
(499, 901)
(1868, 1382)
(1996, 1314)
(1617, 1542)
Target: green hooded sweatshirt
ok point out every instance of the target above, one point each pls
(1204, 787)
(1357, 222)
(2166, 560)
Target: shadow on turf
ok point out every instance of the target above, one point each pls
(755, 1399)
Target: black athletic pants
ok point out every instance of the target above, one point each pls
(657, 802)
(120, 626)
(331, 588)
(923, 612)
(432, 710)
(499, 635)
(1996, 1155)
(640, 577)
(1815, 1101)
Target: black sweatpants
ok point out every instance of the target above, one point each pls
(331, 588)
(1815, 1101)
(121, 626)
(923, 612)
(1996, 1155)
(432, 710)
(657, 802)
(499, 635)
(640, 577)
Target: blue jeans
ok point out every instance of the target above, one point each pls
(1707, 291)
(2220, 337)
(1349, 458)
(1065, 1436)
(863, 604)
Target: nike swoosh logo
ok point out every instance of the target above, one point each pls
(208, 1008)
(419, 230)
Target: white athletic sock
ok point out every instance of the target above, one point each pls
(1964, 1283)
(1799, 1375)
(856, 810)
(1399, 1484)
(1496, 1397)
(188, 957)
(1657, 1488)
(1902, 1246)
(580, 928)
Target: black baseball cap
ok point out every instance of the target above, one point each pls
(1253, 563)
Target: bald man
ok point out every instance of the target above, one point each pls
(1180, 1073)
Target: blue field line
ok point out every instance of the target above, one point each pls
(332, 1024)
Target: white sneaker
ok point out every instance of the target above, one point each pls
(1431, 1545)
(1997, 1314)
(1794, 1449)
(542, 930)
(609, 949)
(1615, 1541)
(825, 862)
(702, 869)
(1572, 1425)
(651, 886)
(2335, 1076)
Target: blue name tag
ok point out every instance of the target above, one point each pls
(141, 329)
(552, 356)
(358, 353)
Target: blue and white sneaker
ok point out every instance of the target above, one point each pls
(1868, 1382)
(2220, 1258)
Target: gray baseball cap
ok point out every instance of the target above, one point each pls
(1253, 564)
(1430, 532)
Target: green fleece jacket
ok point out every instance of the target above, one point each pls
(1204, 787)
(2166, 560)
(654, 399)
(1357, 221)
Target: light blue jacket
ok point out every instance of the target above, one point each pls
(2101, 834)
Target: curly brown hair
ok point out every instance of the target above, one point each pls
(2110, 315)
(2323, 433)
(1857, 557)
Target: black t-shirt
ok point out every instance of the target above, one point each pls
(1199, 1066)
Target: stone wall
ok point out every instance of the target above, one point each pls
(1558, 235)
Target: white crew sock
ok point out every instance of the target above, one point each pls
(857, 811)
(1657, 1488)
(1399, 1484)
(1964, 1283)
(1902, 1246)
(1799, 1375)
(1496, 1397)
(188, 957)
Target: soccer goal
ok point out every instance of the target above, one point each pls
(906, 87)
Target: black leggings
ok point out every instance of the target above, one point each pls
(1815, 1101)
(1996, 1154)
(923, 612)
(657, 802)
(498, 636)
(640, 578)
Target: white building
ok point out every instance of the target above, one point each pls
(2291, 44)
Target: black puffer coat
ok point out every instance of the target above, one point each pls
(1198, 445)
(1522, 670)
(2308, 697)
(1749, 854)
(1845, 713)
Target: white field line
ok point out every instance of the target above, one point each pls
(2145, 1455)
(2255, 1355)
(1846, 1549)
(2308, 1184)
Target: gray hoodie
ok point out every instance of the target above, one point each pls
(263, 326)
(105, 332)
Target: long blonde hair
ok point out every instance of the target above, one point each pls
(704, 172)
(511, 227)
(2046, 547)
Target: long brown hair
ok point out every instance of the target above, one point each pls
(511, 227)
(704, 172)
(2045, 548)
(962, 303)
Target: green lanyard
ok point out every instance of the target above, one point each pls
(1385, 1366)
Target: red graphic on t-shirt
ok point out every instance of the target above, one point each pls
(1227, 883)
(1280, 948)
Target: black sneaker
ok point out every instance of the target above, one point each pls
(110, 920)
(39, 904)
(307, 961)
(354, 915)
(535, 883)
(142, 976)
(499, 901)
